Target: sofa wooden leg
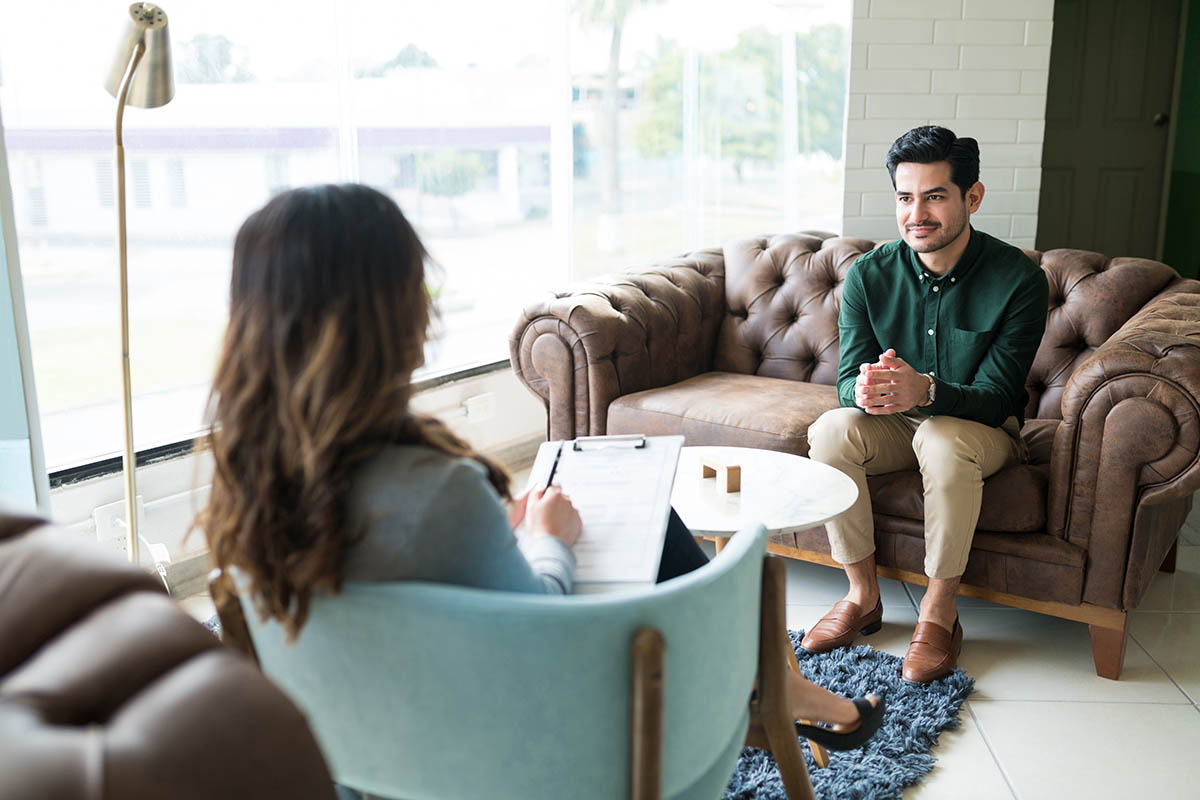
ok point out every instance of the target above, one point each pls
(1168, 564)
(721, 541)
(1108, 648)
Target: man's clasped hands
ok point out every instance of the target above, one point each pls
(890, 385)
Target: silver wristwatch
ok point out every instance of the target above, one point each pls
(932, 389)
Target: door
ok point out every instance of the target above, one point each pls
(1112, 66)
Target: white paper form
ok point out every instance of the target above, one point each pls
(623, 495)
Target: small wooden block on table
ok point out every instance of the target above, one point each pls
(729, 476)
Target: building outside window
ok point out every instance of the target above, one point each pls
(525, 161)
(36, 192)
(140, 173)
(176, 187)
(106, 188)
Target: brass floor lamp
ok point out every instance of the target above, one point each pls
(145, 40)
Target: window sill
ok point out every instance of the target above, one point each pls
(153, 455)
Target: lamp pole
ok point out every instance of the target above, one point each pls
(145, 38)
(129, 462)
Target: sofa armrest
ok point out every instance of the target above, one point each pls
(1130, 438)
(581, 349)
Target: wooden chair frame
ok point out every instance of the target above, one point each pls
(771, 724)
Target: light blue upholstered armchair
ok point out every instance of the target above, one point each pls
(419, 690)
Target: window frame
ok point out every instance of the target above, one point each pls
(10, 260)
(108, 466)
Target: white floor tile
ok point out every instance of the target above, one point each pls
(965, 767)
(1193, 517)
(817, 584)
(898, 623)
(1172, 640)
(1020, 655)
(1190, 534)
(1051, 751)
(1179, 590)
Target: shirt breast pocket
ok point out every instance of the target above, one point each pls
(967, 349)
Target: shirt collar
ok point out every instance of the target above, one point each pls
(965, 262)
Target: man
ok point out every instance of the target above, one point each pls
(938, 331)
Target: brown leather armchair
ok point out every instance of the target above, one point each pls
(739, 346)
(107, 690)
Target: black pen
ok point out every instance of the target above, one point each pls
(554, 466)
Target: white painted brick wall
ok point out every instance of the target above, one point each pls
(978, 67)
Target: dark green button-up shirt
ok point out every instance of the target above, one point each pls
(976, 329)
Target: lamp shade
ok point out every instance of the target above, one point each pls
(154, 82)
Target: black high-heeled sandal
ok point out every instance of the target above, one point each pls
(870, 717)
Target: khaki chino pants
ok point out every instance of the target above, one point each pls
(954, 456)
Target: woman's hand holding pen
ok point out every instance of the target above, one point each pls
(549, 512)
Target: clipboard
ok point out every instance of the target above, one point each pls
(621, 486)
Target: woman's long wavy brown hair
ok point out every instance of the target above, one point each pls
(328, 318)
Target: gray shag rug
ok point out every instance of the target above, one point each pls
(898, 755)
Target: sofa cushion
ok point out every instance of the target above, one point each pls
(1014, 499)
(1033, 565)
(722, 408)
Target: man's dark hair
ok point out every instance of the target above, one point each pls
(928, 144)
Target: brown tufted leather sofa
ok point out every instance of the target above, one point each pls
(107, 690)
(739, 346)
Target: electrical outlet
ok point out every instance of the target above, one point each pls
(480, 407)
(110, 525)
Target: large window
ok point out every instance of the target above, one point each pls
(694, 124)
(531, 143)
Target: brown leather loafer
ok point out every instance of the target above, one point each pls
(841, 625)
(932, 653)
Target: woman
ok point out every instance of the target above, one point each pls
(323, 473)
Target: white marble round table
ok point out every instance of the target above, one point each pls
(786, 493)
